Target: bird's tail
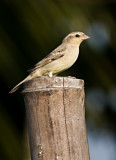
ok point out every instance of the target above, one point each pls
(18, 85)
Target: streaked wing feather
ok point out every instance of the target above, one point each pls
(55, 54)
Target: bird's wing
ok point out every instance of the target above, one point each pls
(55, 54)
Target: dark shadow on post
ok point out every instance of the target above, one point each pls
(56, 118)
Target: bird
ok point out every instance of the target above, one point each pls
(60, 59)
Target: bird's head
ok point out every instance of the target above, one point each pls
(75, 38)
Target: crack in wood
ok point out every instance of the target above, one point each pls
(65, 119)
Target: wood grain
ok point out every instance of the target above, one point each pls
(56, 118)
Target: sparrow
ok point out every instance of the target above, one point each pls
(60, 59)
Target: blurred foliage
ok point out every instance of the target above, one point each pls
(29, 30)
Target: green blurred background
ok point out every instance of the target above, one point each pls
(29, 30)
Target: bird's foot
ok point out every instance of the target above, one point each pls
(50, 74)
(71, 77)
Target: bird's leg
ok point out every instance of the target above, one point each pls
(50, 74)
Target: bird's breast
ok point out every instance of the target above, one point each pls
(71, 56)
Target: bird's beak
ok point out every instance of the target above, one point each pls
(85, 37)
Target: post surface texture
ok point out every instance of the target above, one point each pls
(56, 118)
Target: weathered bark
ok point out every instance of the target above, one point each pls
(56, 118)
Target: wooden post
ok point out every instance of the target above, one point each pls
(56, 118)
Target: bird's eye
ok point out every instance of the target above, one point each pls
(77, 35)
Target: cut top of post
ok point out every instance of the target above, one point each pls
(44, 83)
